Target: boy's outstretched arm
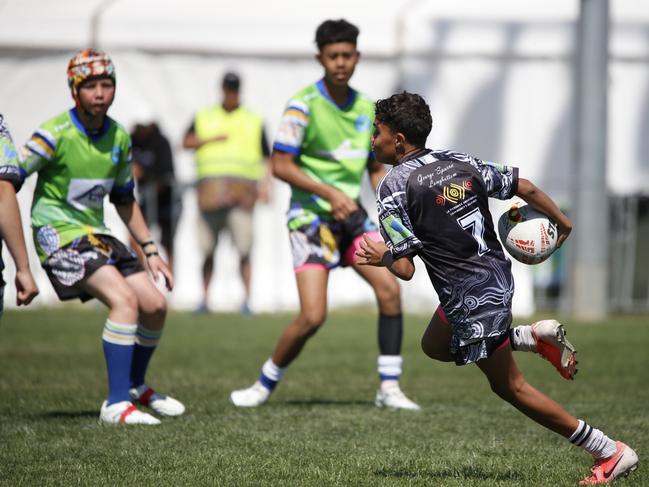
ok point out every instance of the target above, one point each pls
(539, 200)
(377, 254)
(11, 231)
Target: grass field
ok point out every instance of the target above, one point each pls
(320, 427)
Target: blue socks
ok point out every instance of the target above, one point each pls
(118, 340)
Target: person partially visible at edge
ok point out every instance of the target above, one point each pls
(434, 204)
(322, 151)
(159, 197)
(231, 154)
(11, 227)
(82, 155)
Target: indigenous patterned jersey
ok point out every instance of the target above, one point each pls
(331, 143)
(435, 205)
(76, 170)
(9, 170)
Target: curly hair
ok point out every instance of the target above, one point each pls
(332, 31)
(407, 113)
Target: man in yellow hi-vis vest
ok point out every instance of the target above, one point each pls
(231, 152)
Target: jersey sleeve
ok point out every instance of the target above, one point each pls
(394, 222)
(123, 189)
(38, 151)
(292, 126)
(500, 181)
(9, 167)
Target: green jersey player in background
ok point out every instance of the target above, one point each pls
(81, 156)
(11, 228)
(322, 151)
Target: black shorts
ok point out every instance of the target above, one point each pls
(73, 263)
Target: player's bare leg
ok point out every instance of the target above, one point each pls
(152, 308)
(436, 342)
(312, 290)
(108, 285)
(390, 334)
(612, 459)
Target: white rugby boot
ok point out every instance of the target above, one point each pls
(125, 412)
(394, 398)
(251, 397)
(552, 345)
(163, 405)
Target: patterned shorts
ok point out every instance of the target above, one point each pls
(73, 263)
(328, 244)
(467, 353)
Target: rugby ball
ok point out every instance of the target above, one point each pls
(528, 235)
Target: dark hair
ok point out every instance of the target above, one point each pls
(332, 31)
(231, 81)
(407, 113)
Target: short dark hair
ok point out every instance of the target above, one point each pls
(332, 31)
(231, 81)
(407, 113)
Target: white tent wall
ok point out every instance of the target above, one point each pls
(499, 82)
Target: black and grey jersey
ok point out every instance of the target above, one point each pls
(435, 205)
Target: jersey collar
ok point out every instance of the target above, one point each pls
(351, 95)
(414, 155)
(92, 135)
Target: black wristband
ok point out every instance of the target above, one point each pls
(151, 254)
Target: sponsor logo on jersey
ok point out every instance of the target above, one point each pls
(88, 193)
(395, 229)
(453, 193)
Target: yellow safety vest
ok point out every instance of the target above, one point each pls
(240, 155)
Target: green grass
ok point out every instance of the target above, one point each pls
(320, 427)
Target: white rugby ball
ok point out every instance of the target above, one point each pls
(528, 235)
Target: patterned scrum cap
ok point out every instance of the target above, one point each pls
(89, 63)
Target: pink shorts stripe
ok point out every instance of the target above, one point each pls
(350, 254)
(441, 315)
(503, 344)
(310, 266)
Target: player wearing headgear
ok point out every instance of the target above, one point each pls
(82, 155)
(434, 204)
(322, 150)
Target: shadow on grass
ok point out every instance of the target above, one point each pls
(69, 414)
(327, 402)
(466, 472)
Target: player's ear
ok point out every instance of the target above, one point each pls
(399, 142)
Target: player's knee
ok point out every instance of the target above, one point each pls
(389, 294)
(126, 302)
(431, 351)
(156, 305)
(311, 320)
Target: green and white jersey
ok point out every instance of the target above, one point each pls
(76, 170)
(9, 170)
(331, 143)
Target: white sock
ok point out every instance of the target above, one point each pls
(522, 339)
(593, 441)
(272, 371)
(389, 367)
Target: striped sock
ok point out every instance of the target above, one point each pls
(271, 374)
(118, 341)
(389, 367)
(593, 441)
(146, 342)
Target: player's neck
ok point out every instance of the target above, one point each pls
(90, 122)
(338, 93)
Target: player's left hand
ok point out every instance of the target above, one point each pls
(26, 288)
(157, 266)
(371, 252)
